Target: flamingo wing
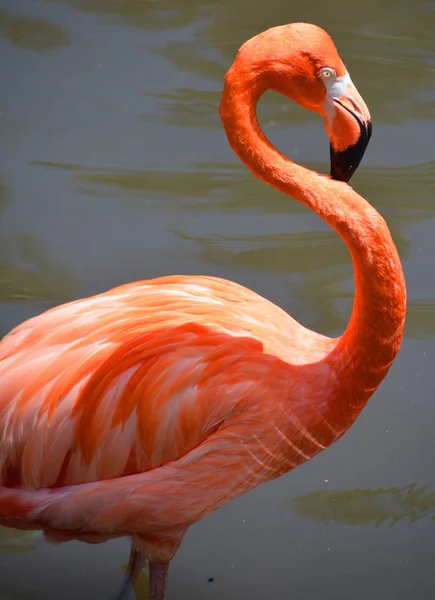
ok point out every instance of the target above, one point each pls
(116, 385)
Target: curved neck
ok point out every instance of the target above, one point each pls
(361, 357)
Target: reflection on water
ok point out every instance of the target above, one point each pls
(187, 107)
(32, 34)
(26, 271)
(199, 186)
(14, 541)
(403, 196)
(366, 507)
(152, 14)
(386, 45)
(5, 194)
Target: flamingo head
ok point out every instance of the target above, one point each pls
(305, 66)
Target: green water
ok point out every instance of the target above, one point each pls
(114, 167)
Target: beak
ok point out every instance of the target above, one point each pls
(349, 127)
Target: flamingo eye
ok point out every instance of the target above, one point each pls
(327, 73)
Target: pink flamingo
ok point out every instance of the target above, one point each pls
(138, 411)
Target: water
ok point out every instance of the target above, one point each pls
(114, 167)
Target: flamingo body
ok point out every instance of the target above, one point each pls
(138, 411)
(121, 385)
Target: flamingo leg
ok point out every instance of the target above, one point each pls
(136, 565)
(158, 580)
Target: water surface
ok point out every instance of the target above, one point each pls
(114, 167)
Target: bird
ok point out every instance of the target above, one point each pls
(138, 411)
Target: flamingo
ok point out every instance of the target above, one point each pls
(138, 411)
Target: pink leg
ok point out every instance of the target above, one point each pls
(158, 580)
(136, 565)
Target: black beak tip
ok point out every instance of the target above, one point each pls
(345, 163)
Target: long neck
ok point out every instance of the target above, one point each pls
(361, 357)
